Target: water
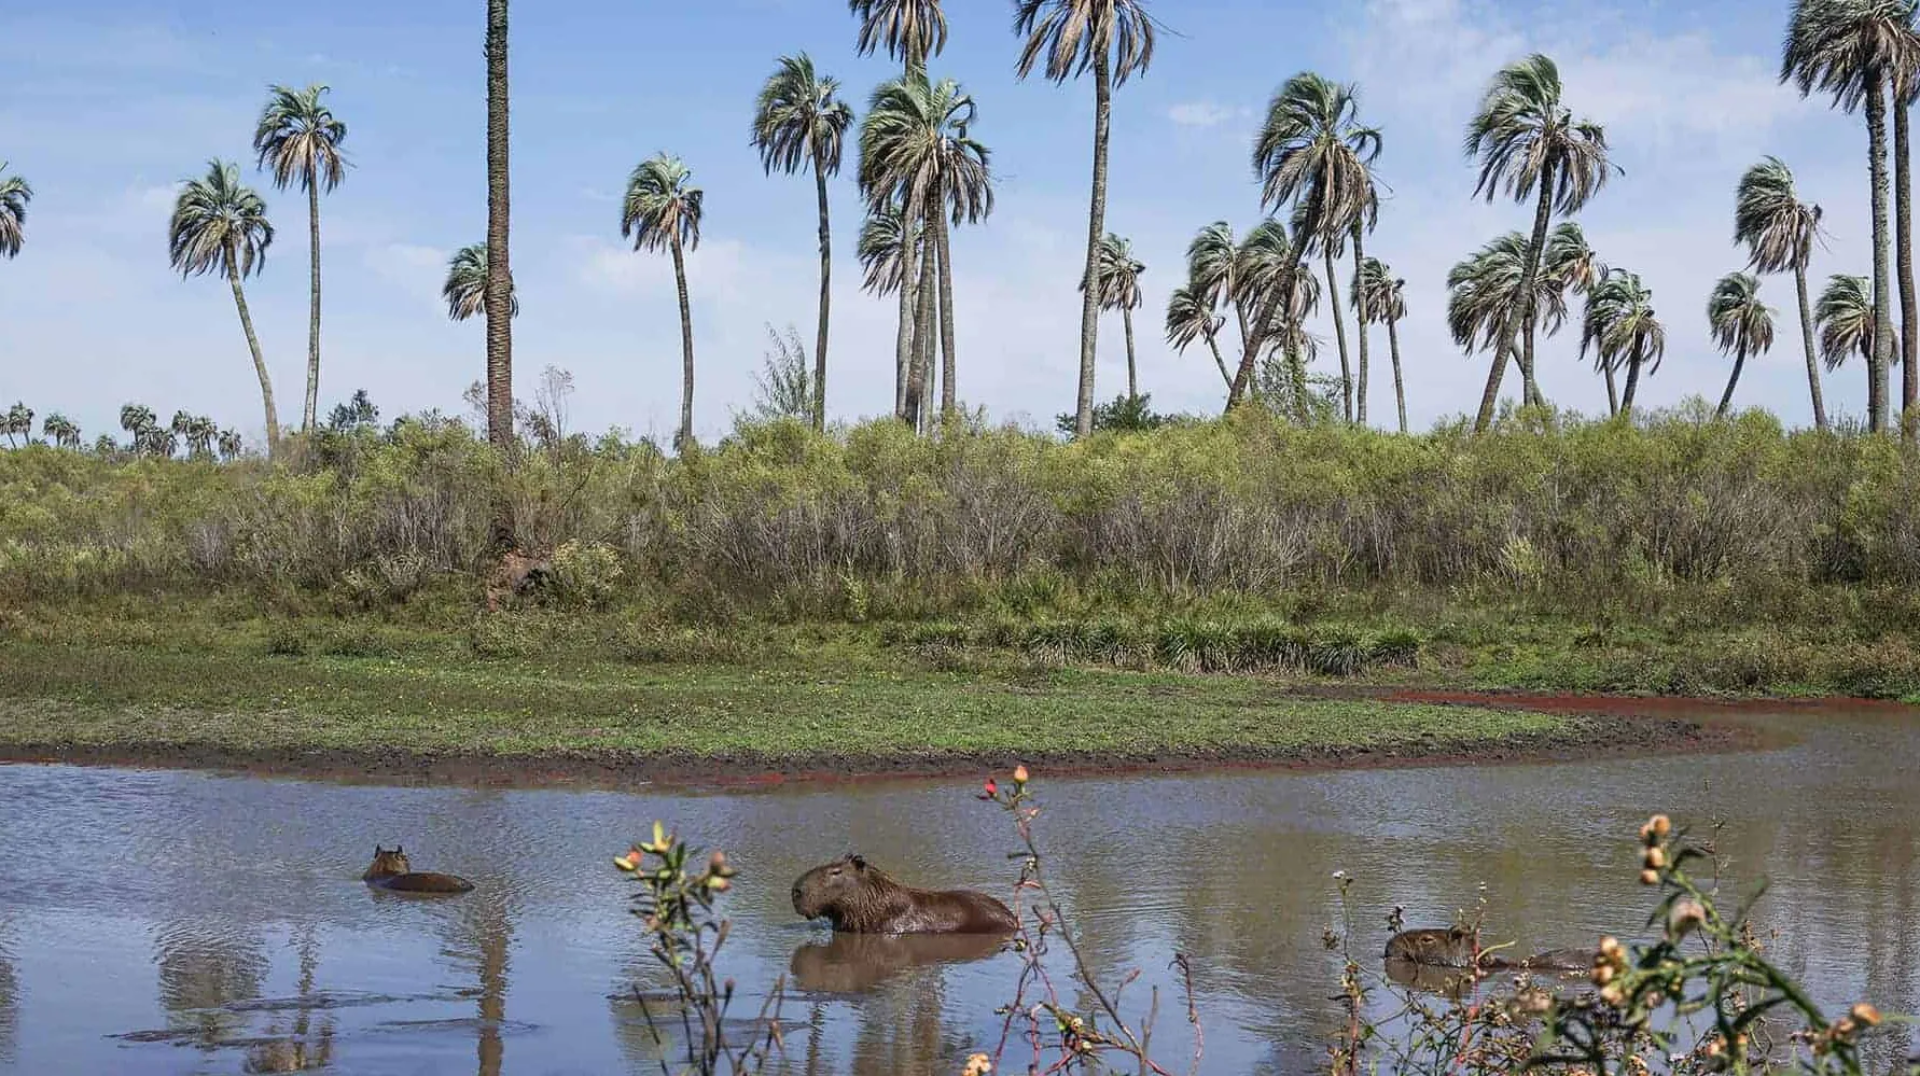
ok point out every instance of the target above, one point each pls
(165, 922)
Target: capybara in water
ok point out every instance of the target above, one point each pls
(1454, 947)
(856, 963)
(859, 898)
(390, 870)
(1560, 960)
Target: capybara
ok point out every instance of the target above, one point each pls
(390, 870)
(1450, 983)
(856, 963)
(1454, 947)
(1560, 960)
(859, 898)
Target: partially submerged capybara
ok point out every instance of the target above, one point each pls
(1454, 947)
(390, 870)
(856, 963)
(859, 898)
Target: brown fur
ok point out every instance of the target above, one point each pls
(858, 898)
(390, 870)
(1454, 947)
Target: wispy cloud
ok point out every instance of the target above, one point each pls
(1202, 114)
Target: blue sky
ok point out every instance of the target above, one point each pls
(105, 106)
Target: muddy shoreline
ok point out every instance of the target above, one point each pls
(1602, 728)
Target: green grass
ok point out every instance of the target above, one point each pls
(234, 698)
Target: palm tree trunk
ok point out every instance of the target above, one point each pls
(909, 300)
(1726, 398)
(1360, 324)
(1297, 375)
(253, 345)
(1806, 337)
(499, 288)
(1096, 227)
(1633, 381)
(1613, 394)
(684, 439)
(313, 313)
(1536, 246)
(1492, 394)
(826, 299)
(923, 339)
(1133, 383)
(1399, 391)
(1213, 344)
(1243, 371)
(1339, 334)
(948, 397)
(1903, 257)
(1880, 363)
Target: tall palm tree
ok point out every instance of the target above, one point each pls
(1120, 290)
(800, 120)
(1621, 327)
(1312, 151)
(1742, 324)
(908, 30)
(663, 209)
(916, 154)
(1570, 265)
(1383, 296)
(1526, 140)
(1779, 231)
(18, 421)
(298, 139)
(1904, 86)
(1855, 50)
(879, 249)
(220, 224)
(1847, 320)
(1190, 317)
(14, 196)
(62, 430)
(1277, 292)
(466, 287)
(1113, 39)
(1212, 262)
(1485, 308)
(499, 269)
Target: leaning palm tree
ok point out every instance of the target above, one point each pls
(1779, 231)
(1212, 263)
(1571, 266)
(801, 121)
(1312, 151)
(499, 271)
(1526, 139)
(1485, 308)
(1847, 320)
(298, 140)
(62, 430)
(1383, 296)
(1189, 318)
(1120, 290)
(916, 154)
(663, 210)
(1856, 50)
(220, 224)
(465, 289)
(1113, 39)
(14, 196)
(879, 249)
(230, 446)
(1278, 292)
(1742, 324)
(908, 30)
(1621, 327)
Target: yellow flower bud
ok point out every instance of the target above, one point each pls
(1661, 826)
(1865, 1014)
(1655, 858)
(1649, 877)
(1019, 775)
(1610, 947)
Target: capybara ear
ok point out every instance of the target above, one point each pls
(397, 850)
(859, 861)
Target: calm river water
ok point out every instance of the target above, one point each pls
(163, 922)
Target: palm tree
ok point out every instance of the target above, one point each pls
(17, 422)
(1571, 266)
(799, 120)
(1312, 152)
(1484, 307)
(1779, 231)
(229, 441)
(298, 139)
(135, 417)
(1742, 324)
(1212, 261)
(1120, 290)
(1857, 50)
(1383, 296)
(1621, 327)
(916, 155)
(14, 196)
(880, 248)
(663, 210)
(499, 270)
(1904, 85)
(1847, 319)
(220, 224)
(466, 287)
(1526, 139)
(1277, 293)
(909, 30)
(1190, 317)
(62, 430)
(1113, 38)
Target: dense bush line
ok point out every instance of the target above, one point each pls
(1245, 516)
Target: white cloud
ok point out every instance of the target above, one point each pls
(1201, 114)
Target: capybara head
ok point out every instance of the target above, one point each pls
(386, 863)
(840, 890)
(1452, 947)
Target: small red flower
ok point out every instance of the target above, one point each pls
(992, 789)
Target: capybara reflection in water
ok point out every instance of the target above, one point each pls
(859, 898)
(391, 870)
(856, 963)
(1454, 947)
